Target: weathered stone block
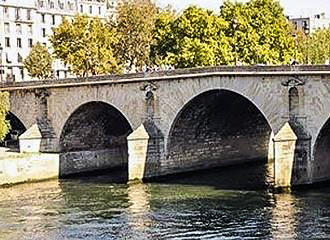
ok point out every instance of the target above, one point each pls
(137, 153)
(284, 154)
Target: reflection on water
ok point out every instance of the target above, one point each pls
(139, 214)
(207, 205)
(284, 215)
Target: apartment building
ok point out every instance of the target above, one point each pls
(23, 23)
(312, 23)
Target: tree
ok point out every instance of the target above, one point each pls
(195, 38)
(135, 23)
(259, 31)
(4, 108)
(87, 45)
(314, 49)
(39, 62)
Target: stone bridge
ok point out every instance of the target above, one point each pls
(184, 120)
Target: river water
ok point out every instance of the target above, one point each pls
(220, 204)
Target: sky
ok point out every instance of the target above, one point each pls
(293, 8)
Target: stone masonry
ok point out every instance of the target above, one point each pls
(196, 118)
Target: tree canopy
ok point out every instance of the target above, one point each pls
(259, 31)
(255, 32)
(314, 48)
(39, 62)
(86, 45)
(134, 25)
(195, 38)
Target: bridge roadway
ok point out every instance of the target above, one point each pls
(182, 120)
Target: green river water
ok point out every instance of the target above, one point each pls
(227, 203)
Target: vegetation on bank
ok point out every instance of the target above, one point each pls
(4, 108)
(142, 34)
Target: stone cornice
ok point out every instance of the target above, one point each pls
(221, 71)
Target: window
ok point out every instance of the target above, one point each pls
(28, 14)
(18, 13)
(43, 18)
(30, 42)
(22, 72)
(91, 9)
(7, 42)
(7, 59)
(70, 5)
(7, 28)
(6, 12)
(19, 42)
(51, 4)
(81, 8)
(53, 19)
(19, 58)
(30, 29)
(99, 10)
(61, 5)
(44, 32)
(18, 28)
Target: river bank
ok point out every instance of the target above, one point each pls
(18, 167)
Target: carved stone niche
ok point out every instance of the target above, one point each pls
(148, 88)
(293, 81)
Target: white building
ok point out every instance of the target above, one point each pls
(311, 24)
(25, 22)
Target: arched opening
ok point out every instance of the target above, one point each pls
(94, 138)
(321, 165)
(17, 128)
(293, 102)
(217, 128)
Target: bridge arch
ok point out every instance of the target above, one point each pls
(321, 153)
(94, 138)
(218, 127)
(17, 128)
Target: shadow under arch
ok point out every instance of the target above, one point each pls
(321, 153)
(215, 128)
(17, 128)
(93, 139)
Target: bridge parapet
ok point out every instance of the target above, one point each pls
(173, 74)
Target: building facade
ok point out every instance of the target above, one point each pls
(311, 24)
(24, 23)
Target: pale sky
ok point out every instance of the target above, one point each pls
(294, 8)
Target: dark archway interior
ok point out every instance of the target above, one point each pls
(94, 126)
(322, 154)
(218, 128)
(17, 128)
(94, 138)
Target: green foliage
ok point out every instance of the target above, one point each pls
(4, 108)
(256, 32)
(259, 31)
(135, 23)
(314, 49)
(195, 38)
(87, 45)
(39, 62)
